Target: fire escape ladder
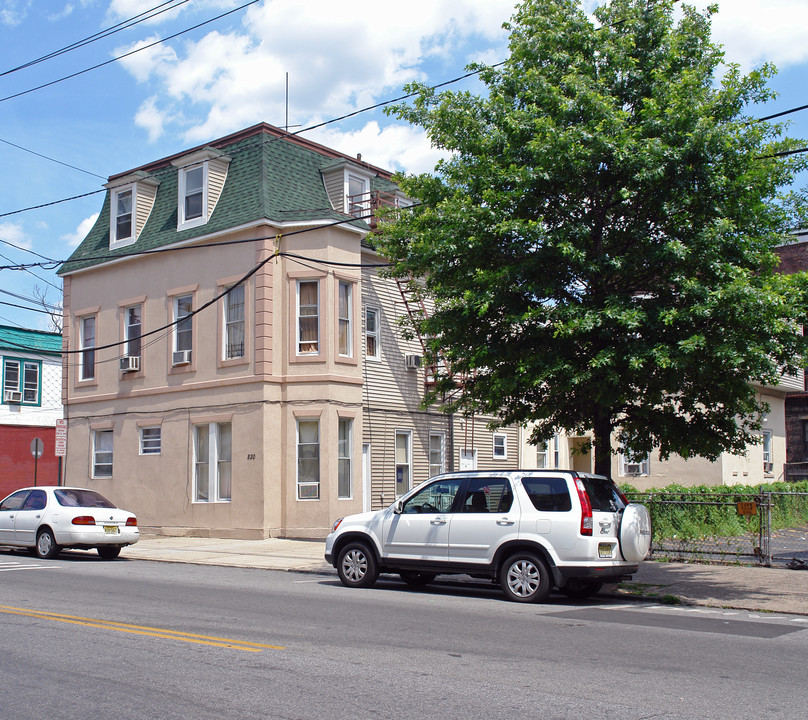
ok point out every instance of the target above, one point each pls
(416, 309)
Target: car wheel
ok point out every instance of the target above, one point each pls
(417, 579)
(108, 552)
(46, 546)
(581, 588)
(525, 578)
(357, 566)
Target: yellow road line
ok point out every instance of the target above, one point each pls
(142, 630)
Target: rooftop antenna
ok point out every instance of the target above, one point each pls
(287, 125)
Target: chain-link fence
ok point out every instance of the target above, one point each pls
(768, 528)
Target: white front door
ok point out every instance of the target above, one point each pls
(468, 459)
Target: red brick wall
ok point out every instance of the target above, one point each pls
(17, 463)
(793, 258)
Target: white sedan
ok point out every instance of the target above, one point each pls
(49, 518)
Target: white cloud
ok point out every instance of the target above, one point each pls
(150, 119)
(13, 12)
(13, 233)
(65, 12)
(145, 62)
(340, 56)
(73, 239)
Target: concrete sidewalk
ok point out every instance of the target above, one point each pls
(726, 586)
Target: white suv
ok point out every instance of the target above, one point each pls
(530, 530)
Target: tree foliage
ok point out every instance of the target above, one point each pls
(599, 245)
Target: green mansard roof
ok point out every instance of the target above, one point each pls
(273, 176)
(23, 341)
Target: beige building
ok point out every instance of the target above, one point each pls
(234, 362)
(763, 462)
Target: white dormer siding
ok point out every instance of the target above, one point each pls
(212, 165)
(130, 204)
(343, 180)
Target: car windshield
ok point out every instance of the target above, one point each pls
(81, 498)
(603, 494)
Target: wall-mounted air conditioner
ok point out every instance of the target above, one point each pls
(12, 396)
(129, 364)
(412, 362)
(768, 467)
(181, 357)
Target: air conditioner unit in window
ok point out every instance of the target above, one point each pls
(129, 364)
(768, 467)
(412, 362)
(181, 357)
(12, 396)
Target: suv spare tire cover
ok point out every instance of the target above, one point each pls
(635, 532)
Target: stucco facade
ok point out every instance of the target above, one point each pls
(217, 376)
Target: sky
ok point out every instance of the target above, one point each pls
(230, 72)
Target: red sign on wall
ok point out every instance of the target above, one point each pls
(61, 438)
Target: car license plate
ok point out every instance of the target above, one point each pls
(604, 550)
(111, 529)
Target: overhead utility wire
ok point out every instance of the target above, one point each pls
(33, 152)
(101, 34)
(131, 52)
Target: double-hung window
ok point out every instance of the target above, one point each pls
(403, 461)
(308, 317)
(192, 182)
(436, 454)
(123, 215)
(234, 323)
(767, 451)
(87, 341)
(372, 345)
(22, 381)
(345, 311)
(102, 453)
(183, 329)
(151, 439)
(344, 455)
(212, 462)
(500, 451)
(308, 459)
(133, 323)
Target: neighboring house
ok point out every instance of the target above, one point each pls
(31, 405)
(235, 366)
(793, 259)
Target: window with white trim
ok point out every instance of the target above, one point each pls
(308, 317)
(183, 329)
(632, 467)
(345, 313)
(123, 227)
(87, 347)
(542, 453)
(436, 454)
(372, 344)
(358, 197)
(768, 462)
(344, 459)
(151, 440)
(192, 183)
(102, 453)
(234, 323)
(212, 462)
(403, 461)
(500, 448)
(308, 459)
(133, 329)
(22, 384)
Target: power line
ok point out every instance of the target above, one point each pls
(131, 52)
(123, 25)
(46, 157)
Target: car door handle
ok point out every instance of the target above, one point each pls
(505, 521)
(440, 520)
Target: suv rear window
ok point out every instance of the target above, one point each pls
(548, 494)
(603, 494)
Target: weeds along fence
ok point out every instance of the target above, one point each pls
(720, 525)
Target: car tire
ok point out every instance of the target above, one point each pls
(108, 552)
(46, 547)
(417, 579)
(581, 588)
(357, 566)
(525, 578)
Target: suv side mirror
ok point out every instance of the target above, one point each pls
(398, 507)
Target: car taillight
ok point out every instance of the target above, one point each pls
(131, 522)
(586, 508)
(83, 520)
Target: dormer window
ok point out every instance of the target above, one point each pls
(358, 196)
(201, 178)
(123, 216)
(130, 204)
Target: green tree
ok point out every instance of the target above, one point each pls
(599, 245)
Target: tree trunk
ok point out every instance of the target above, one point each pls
(602, 446)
